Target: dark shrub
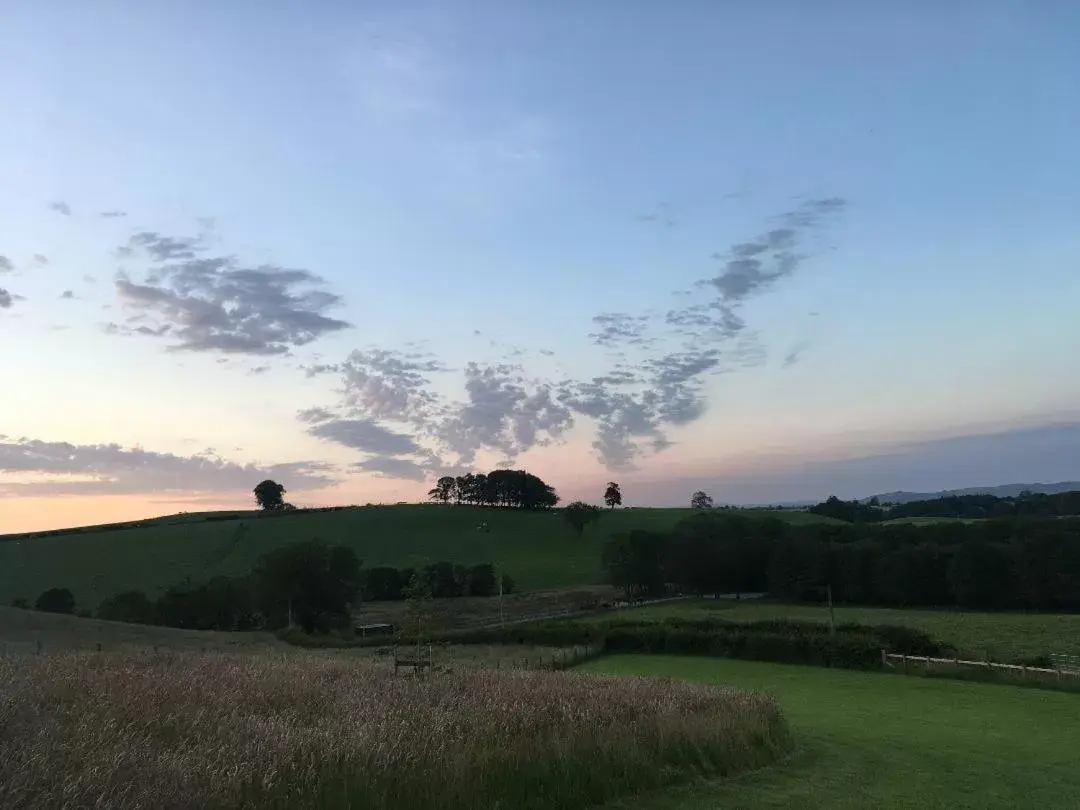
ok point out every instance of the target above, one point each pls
(129, 606)
(56, 600)
(482, 581)
(382, 584)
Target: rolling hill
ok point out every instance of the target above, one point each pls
(537, 549)
(1002, 491)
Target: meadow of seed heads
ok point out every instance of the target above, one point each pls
(162, 731)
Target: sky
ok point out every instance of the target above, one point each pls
(774, 251)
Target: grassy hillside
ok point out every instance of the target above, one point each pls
(887, 741)
(1005, 636)
(539, 550)
(22, 630)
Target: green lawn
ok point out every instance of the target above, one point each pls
(1006, 636)
(888, 741)
(538, 550)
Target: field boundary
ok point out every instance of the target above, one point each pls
(945, 665)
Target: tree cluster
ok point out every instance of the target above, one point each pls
(1026, 504)
(580, 514)
(1013, 563)
(445, 579)
(508, 488)
(310, 584)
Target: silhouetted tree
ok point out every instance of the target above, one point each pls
(444, 489)
(701, 500)
(580, 514)
(612, 495)
(56, 600)
(270, 495)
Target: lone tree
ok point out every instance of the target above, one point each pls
(580, 514)
(270, 495)
(612, 495)
(701, 500)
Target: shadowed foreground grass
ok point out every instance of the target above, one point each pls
(879, 741)
(221, 730)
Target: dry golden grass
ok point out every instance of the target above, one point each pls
(226, 730)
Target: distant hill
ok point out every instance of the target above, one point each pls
(1002, 491)
(538, 550)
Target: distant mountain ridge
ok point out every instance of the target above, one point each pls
(1002, 491)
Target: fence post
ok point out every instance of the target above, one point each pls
(39, 646)
(904, 657)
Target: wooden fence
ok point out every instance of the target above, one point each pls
(917, 663)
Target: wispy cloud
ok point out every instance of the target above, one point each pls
(63, 468)
(632, 406)
(216, 303)
(60, 207)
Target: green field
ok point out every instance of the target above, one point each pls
(1004, 636)
(927, 521)
(887, 741)
(537, 549)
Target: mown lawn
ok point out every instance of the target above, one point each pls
(538, 550)
(887, 741)
(1004, 636)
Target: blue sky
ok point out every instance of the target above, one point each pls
(474, 184)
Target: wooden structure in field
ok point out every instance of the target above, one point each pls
(415, 658)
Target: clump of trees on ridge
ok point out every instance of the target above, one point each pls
(507, 488)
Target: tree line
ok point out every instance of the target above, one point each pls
(1027, 563)
(446, 580)
(312, 585)
(1026, 504)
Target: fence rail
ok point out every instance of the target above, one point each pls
(907, 661)
(1066, 663)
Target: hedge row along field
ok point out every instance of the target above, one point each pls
(138, 731)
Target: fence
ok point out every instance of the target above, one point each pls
(1066, 663)
(915, 663)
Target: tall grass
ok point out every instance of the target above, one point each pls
(219, 730)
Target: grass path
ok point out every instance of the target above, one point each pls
(888, 741)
